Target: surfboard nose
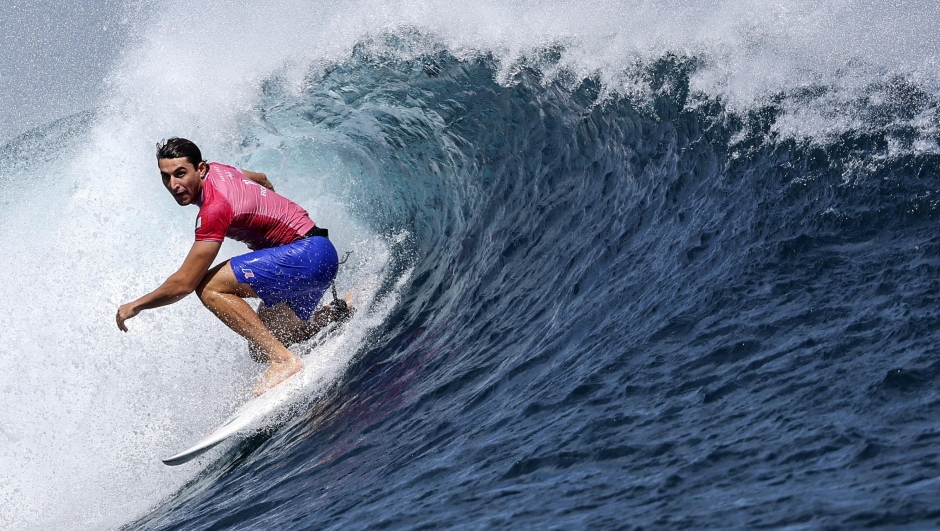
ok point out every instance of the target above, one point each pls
(188, 455)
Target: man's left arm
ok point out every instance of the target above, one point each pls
(178, 285)
(259, 178)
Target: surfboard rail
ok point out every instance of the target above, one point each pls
(251, 412)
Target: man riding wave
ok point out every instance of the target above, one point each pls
(291, 264)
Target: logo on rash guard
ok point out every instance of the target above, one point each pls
(248, 273)
(264, 191)
(198, 221)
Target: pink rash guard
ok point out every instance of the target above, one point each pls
(235, 206)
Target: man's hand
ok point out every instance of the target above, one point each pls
(177, 286)
(125, 312)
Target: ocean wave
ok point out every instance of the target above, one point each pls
(614, 304)
(633, 266)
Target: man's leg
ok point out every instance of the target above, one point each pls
(221, 292)
(289, 329)
(283, 322)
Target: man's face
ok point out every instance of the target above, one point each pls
(182, 179)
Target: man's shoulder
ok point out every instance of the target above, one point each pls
(214, 201)
(215, 215)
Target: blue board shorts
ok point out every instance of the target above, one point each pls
(297, 273)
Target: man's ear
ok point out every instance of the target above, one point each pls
(203, 169)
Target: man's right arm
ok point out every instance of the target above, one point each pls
(178, 285)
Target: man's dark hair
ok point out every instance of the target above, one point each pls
(176, 148)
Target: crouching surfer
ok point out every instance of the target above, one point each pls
(291, 264)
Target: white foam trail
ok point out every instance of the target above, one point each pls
(88, 411)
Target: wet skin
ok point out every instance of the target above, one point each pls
(218, 288)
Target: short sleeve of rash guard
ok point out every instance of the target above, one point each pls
(213, 221)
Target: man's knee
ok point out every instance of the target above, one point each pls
(205, 293)
(201, 292)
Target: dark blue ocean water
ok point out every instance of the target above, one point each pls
(619, 312)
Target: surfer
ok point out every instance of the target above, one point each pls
(291, 264)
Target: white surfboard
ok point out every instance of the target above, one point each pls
(255, 412)
(246, 416)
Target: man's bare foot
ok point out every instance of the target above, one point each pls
(277, 372)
